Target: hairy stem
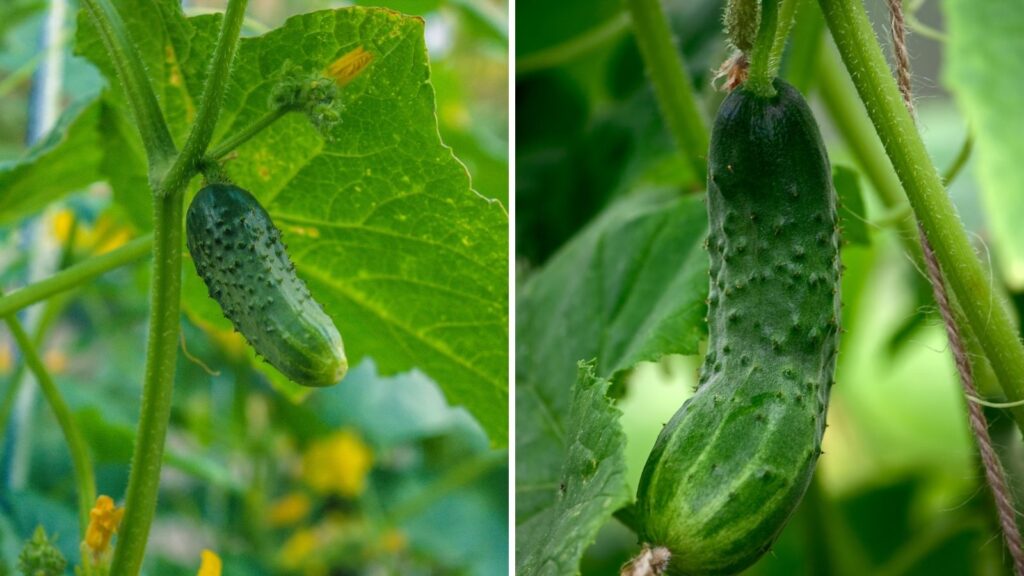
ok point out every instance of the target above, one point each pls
(76, 275)
(162, 347)
(156, 137)
(672, 86)
(960, 161)
(988, 317)
(165, 308)
(786, 17)
(85, 482)
(762, 69)
(187, 163)
(994, 471)
(224, 148)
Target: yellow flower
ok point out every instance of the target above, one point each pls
(104, 518)
(289, 510)
(56, 361)
(61, 223)
(338, 464)
(350, 65)
(106, 234)
(6, 357)
(298, 549)
(210, 564)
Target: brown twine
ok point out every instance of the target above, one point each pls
(994, 472)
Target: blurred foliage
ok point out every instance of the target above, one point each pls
(898, 490)
(378, 475)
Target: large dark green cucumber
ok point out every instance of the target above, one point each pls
(733, 463)
(238, 252)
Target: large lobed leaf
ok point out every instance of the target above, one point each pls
(380, 220)
(986, 41)
(629, 288)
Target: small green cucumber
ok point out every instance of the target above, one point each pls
(730, 467)
(238, 252)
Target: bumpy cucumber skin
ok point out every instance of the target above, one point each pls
(733, 463)
(238, 252)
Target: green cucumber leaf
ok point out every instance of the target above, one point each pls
(588, 488)
(66, 160)
(984, 69)
(380, 220)
(630, 287)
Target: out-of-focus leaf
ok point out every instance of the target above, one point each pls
(66, 160)
(583, 492)
(28, 509)
(14, 12)
(111, 442)
(552, 24)
(852, 217)
(590, 130)
(388, 410)
(986, 40)
(380, 220)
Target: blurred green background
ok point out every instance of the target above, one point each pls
(898, 490)
(378, 475)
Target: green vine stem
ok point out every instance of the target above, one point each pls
(848, 114)
(951, 172)
(156, 137)
(786, 17)
(85, 482)
(76, 275)
(165, 296)
(672, 86)
(51, 311)
(227, 146)
(158, 386)
(984, 310)
(805, 50)
(186, 165)
(762, 69)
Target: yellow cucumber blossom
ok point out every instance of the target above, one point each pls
(338, 464)
(210, 564)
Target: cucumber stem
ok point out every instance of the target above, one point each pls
(224, 148)
(158, 387)
(672, 86)
(85, 482)
(186, 165)
(165, 308)
(156, 137)
(762, 70)
(786, 17)
(985, 311)
(74, 276)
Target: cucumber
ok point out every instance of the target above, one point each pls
(238, 253)
(733, 463)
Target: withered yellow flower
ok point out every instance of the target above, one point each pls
(104, 518)
(350, 65)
